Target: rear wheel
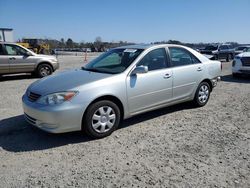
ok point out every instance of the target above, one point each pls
(202, 94)
(101, 119)
(44, 70)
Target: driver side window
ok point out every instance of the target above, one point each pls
(14, 50)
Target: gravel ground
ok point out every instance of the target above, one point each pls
(178, 146)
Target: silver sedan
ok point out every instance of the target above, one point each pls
(120, 83)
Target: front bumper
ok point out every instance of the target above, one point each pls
(61, 118)
(55, 65)
(239, 68)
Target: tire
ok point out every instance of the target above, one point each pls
(101, 119)
(44, 70)
(202, 94)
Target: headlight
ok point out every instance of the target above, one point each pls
(56, 98)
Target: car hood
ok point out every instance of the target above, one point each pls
(244, 54)
(65, 81)
(45, 56)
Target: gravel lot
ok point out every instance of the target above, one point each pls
(178, 146)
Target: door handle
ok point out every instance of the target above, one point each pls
(199, 69)
(167, 76)
(12, 58)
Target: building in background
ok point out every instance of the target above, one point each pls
(6, 35)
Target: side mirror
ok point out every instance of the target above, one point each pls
(28, 53)
(140, 70)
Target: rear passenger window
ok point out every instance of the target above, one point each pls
(154, 60)
(181, 57)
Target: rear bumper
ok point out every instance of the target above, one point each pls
(215, 81)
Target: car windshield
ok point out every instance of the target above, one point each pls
(211, 48)
(114, 61)
(241, 48)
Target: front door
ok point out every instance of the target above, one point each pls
(153, 88)
(18, 60)
(4, 61)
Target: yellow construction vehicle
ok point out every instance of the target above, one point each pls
(36, 45)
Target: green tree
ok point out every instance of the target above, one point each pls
(69, 43)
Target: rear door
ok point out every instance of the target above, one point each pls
(187, 72)
(152, 88)
(4, 61)
(18, 60)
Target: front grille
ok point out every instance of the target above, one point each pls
(245, 61)
(31, 120)
(33, 96)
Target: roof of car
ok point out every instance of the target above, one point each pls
(146, 46)
(137, 46)
(2, 42)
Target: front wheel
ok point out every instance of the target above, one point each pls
(101, 119)
(202, 94)
(44, 70)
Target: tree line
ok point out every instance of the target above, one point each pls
(99, 46)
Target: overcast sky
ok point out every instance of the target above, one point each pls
(140, 21)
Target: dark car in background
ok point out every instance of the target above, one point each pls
(219, 52)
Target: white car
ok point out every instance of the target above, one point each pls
(241, 64)
(119, 84)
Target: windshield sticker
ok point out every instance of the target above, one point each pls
(130, 50)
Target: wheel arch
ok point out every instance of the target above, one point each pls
(209, 82)
(46, 63)
(111, 98)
